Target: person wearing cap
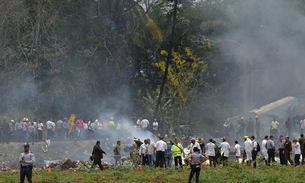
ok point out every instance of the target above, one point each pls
(26, 160)
(195, 160)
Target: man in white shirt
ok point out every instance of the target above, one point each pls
(160, 150)
(142, 153)
(264, 150)
(194, 144)
(155, 126)
(274, 126)
(225, 150)
(211, 152)
(150, 149)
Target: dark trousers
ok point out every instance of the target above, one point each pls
(212, 160)
(287, 158)
(297, 159)
(195, 169)
(97, 162)
(178, 159)
(160, 157)
(282, 157)
(39, 134)
(254, 155)
(144, 159)
(270, 155)
(26, 172)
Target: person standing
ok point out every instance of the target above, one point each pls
(177, 151)
(195, 160)
(211, 152)
(287, 151)
(155, 126)
(225, 150)
(150, 149)
(264, 150)
(169, 154)
(270, 149)
(201, 144)
(237, 151)
(26, 160)
(117, 154)
(254, 151)
(274, 126)
(97, 154)
(282, 153)
(248, 150)
(39, 130)
(194, 144)
(297, 152)
(143, 154)
(301, 141)
(160, 150)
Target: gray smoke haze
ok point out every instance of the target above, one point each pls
(267, 44)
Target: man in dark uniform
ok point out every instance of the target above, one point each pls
(288, 150)
(97, 155)
(26, 160)
(195, 160)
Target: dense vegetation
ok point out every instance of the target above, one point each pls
(95, 57)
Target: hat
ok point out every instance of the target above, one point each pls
(245, 136)
(26, 145)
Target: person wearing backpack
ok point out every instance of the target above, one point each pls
(254, 150)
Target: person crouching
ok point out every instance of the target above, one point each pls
(195, 160)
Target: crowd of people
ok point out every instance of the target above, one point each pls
(32, 131)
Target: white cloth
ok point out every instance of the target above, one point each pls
(274, 125)
(40, 126)
(161, 145)
(248, 149)
(191, 147)
(237, 150)
(225, 149)
(264, 150)
(142, 149)
(144, 123)
(155, 125)
(210, 149)
(296, 148)
(49, 124)
(150, 148)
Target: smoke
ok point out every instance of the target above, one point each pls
(267, 46)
